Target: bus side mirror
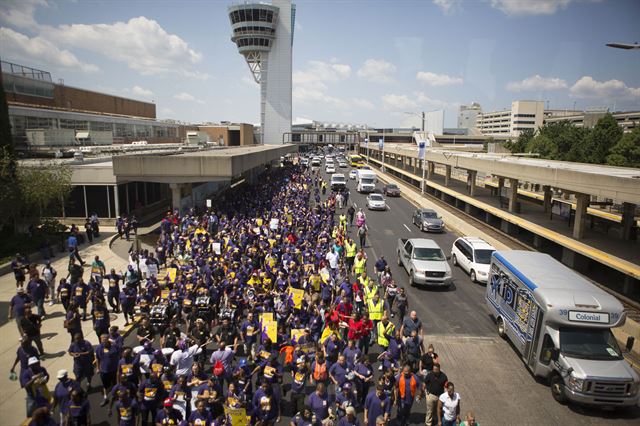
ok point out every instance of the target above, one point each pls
(555, 354)
(630, 341)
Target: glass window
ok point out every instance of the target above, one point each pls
(545, 352)
(589, 343)
(423, 253)
(483, 256)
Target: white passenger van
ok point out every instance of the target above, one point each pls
(560, 323)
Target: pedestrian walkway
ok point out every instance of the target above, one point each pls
(55, 338)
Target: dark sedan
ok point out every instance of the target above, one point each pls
(391, 190)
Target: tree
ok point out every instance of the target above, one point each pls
(626, 152)
(487, 141)
(568, 138)
(520, 144)
(544, 146)
(604, 135)
(42, 187)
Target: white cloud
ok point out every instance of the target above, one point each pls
(377, 70)
(167, 111)
(586, 88)
(140, 91)
(19, 47)
(20, 13)
(310, 84)
(362, 103)
(397, 102)
(537, 83)
(321, 71)
(529, 7)
(141, 43)
(433, 79)
(448, 6)
(417, 101)
(187, 97)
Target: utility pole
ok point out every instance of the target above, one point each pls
(422, 121)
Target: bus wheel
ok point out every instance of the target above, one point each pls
(557, 389)
(501, 330)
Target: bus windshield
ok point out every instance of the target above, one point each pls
(589, 343)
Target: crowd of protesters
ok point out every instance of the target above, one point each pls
(261, 309)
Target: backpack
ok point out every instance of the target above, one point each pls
(218, 368)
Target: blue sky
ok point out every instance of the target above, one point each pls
(354, 61)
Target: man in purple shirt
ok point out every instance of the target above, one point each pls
(319, 403)
(107, 356)
(25, 351)
(17, 305)
(225, 356)
(62, 393)
(376, 404)
(37, 289)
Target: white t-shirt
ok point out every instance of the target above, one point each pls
(449, 405)
(333, 260)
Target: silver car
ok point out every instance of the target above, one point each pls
(376, 202)
(428, 220)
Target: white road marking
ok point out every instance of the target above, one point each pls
(406, 227)
(355, 206)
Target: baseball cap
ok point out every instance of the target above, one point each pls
(62, 374)
(33, 360)
(168, 402)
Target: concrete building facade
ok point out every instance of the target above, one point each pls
(263, 34)
(628, 120)
(523, 115)
(468, 117)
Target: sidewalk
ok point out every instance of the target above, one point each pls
(55, 338)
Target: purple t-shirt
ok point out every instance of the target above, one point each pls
(225, 357)
(108, 358)
(319, 405)
(127, 411)
(17, 302)
(199, 419)
(62, 392)
(78, 412)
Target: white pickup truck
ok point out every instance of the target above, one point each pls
(424, 261)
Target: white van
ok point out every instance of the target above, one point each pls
(560, 324)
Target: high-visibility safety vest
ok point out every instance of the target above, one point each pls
(375, 310)
(383, 331)
(413, 386)
(351, 249)
(359, 265)
(369, 291)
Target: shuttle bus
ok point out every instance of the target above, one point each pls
(356, 161)
(560, 324)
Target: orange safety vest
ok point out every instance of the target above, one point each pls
(320, 371)
(413, 384)
(288, 354)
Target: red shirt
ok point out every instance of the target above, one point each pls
(356, 329)
(344, 310)
(367, 326)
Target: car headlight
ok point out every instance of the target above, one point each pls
(482, 273)
(634, 388)
(575, 384)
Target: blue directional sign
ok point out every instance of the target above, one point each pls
(421, 149)
(381, 144)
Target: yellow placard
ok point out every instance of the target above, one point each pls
(266, 316)
(324, 274)
(296, 333)
(164, 294)
(296, 296)
(238, 416)
(172, 274)
(259, 221)
(270, 329)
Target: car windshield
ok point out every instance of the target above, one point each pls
(483, 256)
(392, 186)
(338, 179)
(589, 343)
(376, 197)
(366, 181)
(429, 215)
(422, 253)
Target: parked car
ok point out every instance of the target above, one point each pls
(391, 190)
(330, 168)
(424, 261)
(376, 202)
(428, 220)
(473, 255)
(353, 174)
(342, 164)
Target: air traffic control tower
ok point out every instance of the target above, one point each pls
(264, 36)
